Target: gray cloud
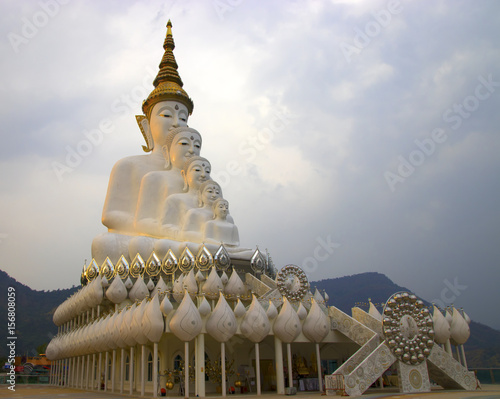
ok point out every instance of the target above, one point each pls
(320, 177)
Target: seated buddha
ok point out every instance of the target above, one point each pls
(167, 107)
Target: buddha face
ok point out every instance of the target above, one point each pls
(210, 193)
(197, 173)
(184, 146)
(166, 115)
(222, 209)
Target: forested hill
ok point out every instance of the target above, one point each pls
(35, 309)
(345, 292)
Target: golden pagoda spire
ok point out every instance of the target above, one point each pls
(168, 84)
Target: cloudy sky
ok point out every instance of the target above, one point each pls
(348, 136)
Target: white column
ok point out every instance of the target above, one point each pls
(83, 378)
(257, 367)
(186, 369)
(196, 361)
(289, 356)
(278, 355)
(88, 373)
(200, 365)
(320, 374)
(131, 370)
(61, 370)
(143, 369)
(99, 372)
(92, 373)
(122, 370)
(71, 371)
(448, 348)
(77, 375)
(106, 370)
(113, 371)
(66, 371)
(458, 355)
(155, 369)
(463, 357)
(223, 366)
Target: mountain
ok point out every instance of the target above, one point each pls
(34, 310)
(481, 350)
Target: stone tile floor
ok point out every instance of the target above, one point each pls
(49, 392)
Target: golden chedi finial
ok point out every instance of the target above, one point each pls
(168, 83)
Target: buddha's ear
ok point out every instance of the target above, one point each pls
(166, 155)
(143, 123)
(186, 186)
(200, 199)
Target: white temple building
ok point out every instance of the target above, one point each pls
(172, 304)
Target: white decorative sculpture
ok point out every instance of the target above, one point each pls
(255, 325)
(196, 218)
(186, 322)
(287, 325)
(220, 230)
(221, 324)
(181, 144)
(213, 285)
(195, 171)
(167, 106)
(441, 327)
(316, 325)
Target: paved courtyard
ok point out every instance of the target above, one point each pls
(48, 392)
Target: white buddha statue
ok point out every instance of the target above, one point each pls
(181, 144)
(196, 171)
(167, 107)
(196, 218)
(220, 230)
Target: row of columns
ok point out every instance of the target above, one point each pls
(81, 372)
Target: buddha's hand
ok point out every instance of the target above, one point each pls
(147, 226)
(169, 231)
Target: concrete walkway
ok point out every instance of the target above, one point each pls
(48, 392)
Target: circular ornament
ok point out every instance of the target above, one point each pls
(292, 282)
(415, 379)
(407, 321)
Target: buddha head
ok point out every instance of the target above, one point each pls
(168, 105)
(181, 144)
(165, 116)
(220, 208)
(209, 192)
(195, 171)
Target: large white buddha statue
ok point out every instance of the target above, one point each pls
(220, 230)
(182, 143)
(196, 218)
(196, 171)
(153, 200)
(167, 107)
